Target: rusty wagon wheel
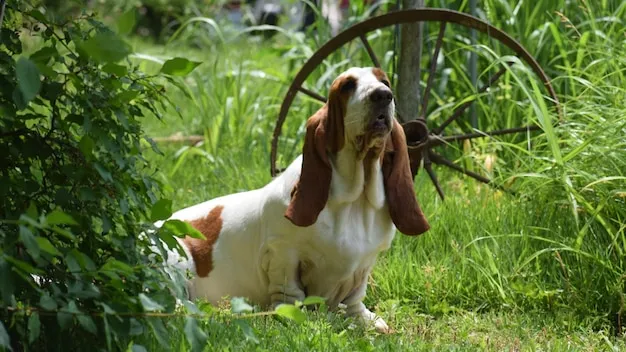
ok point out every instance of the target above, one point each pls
(421, 139)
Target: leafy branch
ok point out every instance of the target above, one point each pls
(79, 189)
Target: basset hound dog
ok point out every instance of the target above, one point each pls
(317, 228)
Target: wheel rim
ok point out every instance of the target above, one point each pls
(421, 142)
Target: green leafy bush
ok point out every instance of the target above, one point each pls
(75, 189)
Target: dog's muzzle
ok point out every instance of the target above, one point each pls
(380, 124)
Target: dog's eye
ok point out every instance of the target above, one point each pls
(348, 86)
(386, 82)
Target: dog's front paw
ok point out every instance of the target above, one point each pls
(371, 319)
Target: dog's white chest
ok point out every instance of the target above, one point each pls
(344, 247)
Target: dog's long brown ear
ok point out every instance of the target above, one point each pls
(324, 134)
(310, 194)
(403, 207)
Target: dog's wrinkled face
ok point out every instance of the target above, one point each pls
(357, 119)
(369, 107)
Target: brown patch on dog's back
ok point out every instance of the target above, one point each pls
(202, 250)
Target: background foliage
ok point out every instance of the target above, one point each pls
(556, 248)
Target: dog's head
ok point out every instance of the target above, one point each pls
(369, 106)
(359, 113)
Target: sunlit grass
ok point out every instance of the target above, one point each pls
(414, 330)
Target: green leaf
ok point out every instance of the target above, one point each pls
(107, 309)
(148, 304)
(127, 96)
(153, 145)
(72, 263)
(105, 48)
(65, 316)
(137, 348)
(136, 327)
(160, 333)
(115, 69)
(23, 266)
(87, 323)
(248, 332)
(161, 210)
(126, 22)
(47, 246)
(27, 79)
(7, 286)
(106, 224)
(48, 303)
(107, 333)
(291, 312)
(104, 173)
(192, 308)
(179, 66)
(195, 336)
(171, 242)
(36, 14)
(77, 261)
(181, 229)
(84, 260)
(72, 308)
(122, 118)
(11, 40)
(64, 233)
(32, 211)
(58, 217)
(124, 206)
(239, 305)
(311, 300)
(44, 54)
(5, 342)
(34, 327)
(18, 99)
(64, 320)
(29, 241)
(48, 72)
(24, 218)
(86, 145)
(117, 266)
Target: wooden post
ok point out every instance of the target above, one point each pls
(2, 4)
(409, 70)
(473, 65)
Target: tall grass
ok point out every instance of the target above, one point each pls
(555, 247)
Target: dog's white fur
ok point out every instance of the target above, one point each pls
(263, 256)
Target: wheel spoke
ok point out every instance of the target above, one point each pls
(370, 51)
(433, 67)
(462, 137)
(461, 109)
(312, 94)
(397, 18)
(438, 159)
(433, 177)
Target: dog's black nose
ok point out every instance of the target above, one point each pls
(381, 97)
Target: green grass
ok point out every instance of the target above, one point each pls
(414, 331)
(543, 269)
